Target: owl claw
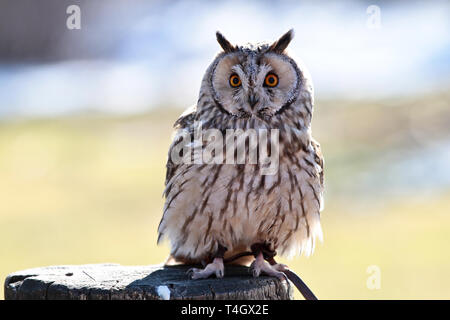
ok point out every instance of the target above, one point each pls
(261, 266)
(216, 268)
(191, 271)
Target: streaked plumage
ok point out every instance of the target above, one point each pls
(233, 204)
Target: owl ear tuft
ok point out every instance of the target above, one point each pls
(224, 43)
(281, 44)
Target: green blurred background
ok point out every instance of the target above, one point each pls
(81, 175)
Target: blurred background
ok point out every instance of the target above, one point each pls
(86, 119)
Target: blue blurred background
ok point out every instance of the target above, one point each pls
(130, 56)
(86, 116)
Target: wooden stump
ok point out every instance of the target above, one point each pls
(157, 282)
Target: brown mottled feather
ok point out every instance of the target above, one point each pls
(235, 205)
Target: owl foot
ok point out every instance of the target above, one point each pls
(261, 266)
(216, 267)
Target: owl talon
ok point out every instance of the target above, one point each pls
(216, 268)
(191, 271)
(261, 266)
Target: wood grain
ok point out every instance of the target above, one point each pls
(116, 282)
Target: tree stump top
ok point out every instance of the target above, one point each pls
(155, 282)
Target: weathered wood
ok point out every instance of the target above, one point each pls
(113, 281)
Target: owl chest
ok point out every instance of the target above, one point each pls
(237, 205)
(241, 192)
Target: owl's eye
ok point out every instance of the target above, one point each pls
(235, 81)
(271, 80)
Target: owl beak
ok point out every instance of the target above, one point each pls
(252, 100)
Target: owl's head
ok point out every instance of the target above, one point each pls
(255, 80)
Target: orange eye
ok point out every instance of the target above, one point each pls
(271, 80)
(235, 81)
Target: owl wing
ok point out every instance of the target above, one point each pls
(318, 157)
(185, 121)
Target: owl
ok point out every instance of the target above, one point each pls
(215, 210)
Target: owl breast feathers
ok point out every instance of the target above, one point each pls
(247, 89)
